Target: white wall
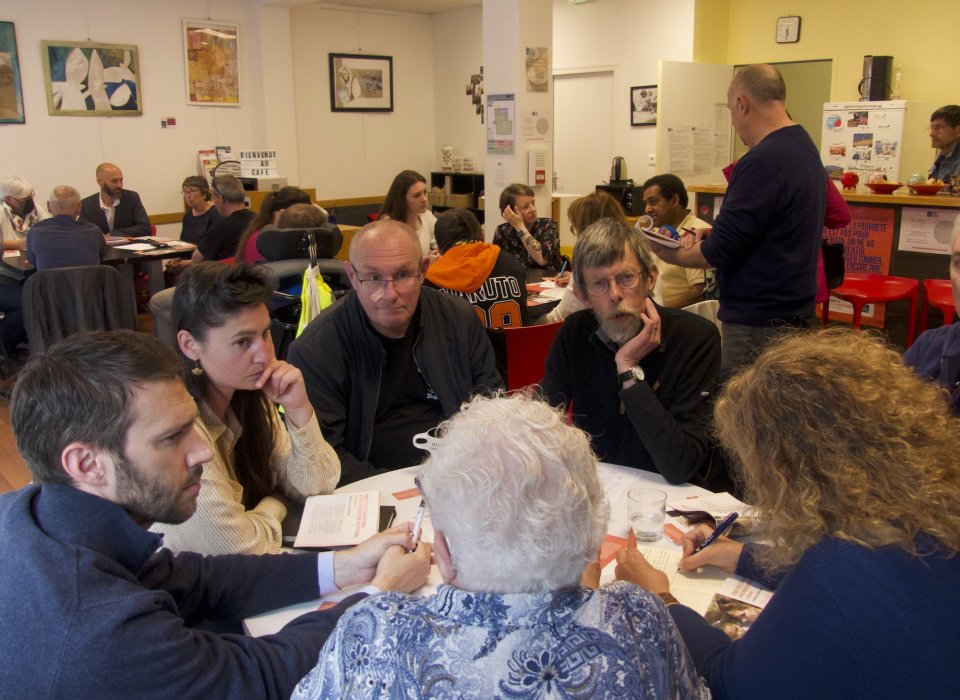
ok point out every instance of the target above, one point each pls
(629, 36)
(346, 154)
(50, 151)
(458, 54)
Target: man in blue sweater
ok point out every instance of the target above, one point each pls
(765, 239)
(91, 606)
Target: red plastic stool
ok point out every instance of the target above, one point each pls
(939, 295)
(859, 289)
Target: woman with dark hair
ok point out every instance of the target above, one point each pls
(406, 201)
(270, 209)
(260, 461)
(851, 461)
(200, 214)
(534, 242)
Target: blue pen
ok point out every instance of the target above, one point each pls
(563, 268)
(724, 525)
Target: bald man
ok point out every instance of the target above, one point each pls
(392, 358)
(113, 209)
(62, 241)
(765, 240)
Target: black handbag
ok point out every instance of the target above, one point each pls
(833, 263)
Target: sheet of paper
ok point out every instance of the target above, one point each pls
(718, 505)
(615, 483)
(11, 253)
(695, 589)
(665, 241)
(745, 591)
(135, 246)
(339, 519)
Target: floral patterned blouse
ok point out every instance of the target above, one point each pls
(617, 642)
(545, 231)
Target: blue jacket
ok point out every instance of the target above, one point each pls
(90, 609)
(936, 355)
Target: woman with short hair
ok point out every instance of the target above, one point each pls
(534, 242)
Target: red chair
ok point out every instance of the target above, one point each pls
(526, 353)
(860, 289)
(939, 295)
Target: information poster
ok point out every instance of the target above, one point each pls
(501, 125)
(926, 230)
(868, 244)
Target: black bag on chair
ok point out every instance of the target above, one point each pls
(833, 263)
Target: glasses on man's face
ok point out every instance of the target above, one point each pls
(402, 282)
(624, 280)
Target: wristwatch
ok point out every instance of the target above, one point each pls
(635, 373)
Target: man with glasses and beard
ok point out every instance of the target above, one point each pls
(639, 375)
(391, 359)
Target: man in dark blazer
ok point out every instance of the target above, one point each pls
(92, 606)
(113, 209)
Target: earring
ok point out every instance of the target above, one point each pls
(198, 370)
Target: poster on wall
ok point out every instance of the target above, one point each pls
(643, 105)
(11, 93)
(538, 68)
(868, 245)
(361, 83)
(501, 125)
(86, 79)
(211, 55)
(926, 230)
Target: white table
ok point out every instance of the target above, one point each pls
(617, 480)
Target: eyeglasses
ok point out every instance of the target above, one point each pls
(402, 282)
(625, 280)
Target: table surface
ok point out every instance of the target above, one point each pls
(617, 480)
(19, 264)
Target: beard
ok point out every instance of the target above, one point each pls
(151, 500)
(621, 330)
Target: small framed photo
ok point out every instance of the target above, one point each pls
(11, 92)
(88, 79)
(643, 105)
(212, 63)
(361, 83)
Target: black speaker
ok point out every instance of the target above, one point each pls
(877, 73)
(628, 194)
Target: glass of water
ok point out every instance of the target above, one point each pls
(645, 508)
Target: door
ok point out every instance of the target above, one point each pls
(583, 135)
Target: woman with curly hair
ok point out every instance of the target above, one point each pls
(852, 462)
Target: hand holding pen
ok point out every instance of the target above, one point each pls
(706, 546)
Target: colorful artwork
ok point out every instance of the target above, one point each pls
(11, 93)
(361, 83)
(92, 80)
(212, 61)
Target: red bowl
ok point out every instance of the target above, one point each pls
(884, 187)
(926, 190)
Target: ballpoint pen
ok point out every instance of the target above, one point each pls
(563, 268)
(689, 231)
(417, 525)
(721, 528)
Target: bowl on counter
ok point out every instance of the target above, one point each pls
(926, 190)
(884, 187)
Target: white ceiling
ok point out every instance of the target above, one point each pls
(428, 7)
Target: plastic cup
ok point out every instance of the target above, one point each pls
(645, 508)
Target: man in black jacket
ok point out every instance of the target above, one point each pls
(391, 359)
(113, 209)
(640, 376)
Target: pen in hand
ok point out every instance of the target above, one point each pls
(563, 268)
(721, 528)
(417, 525)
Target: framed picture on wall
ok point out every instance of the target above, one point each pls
(643, 105)
(361, 83)
(92, 80)
(11, 94)
(211, 60)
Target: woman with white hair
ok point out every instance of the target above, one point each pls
(18, 211)
(518, 512)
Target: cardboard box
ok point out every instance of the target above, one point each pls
(437, 199)
(460, 201)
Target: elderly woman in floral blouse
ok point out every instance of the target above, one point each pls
(518, 512)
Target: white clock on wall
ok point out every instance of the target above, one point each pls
(788, 30)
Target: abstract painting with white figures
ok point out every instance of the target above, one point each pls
(87, 79)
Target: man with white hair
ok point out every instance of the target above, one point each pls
(18, 211)
(62, 241)
(518, 512)
(936, 353)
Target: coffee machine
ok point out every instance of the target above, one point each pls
(623, 189)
